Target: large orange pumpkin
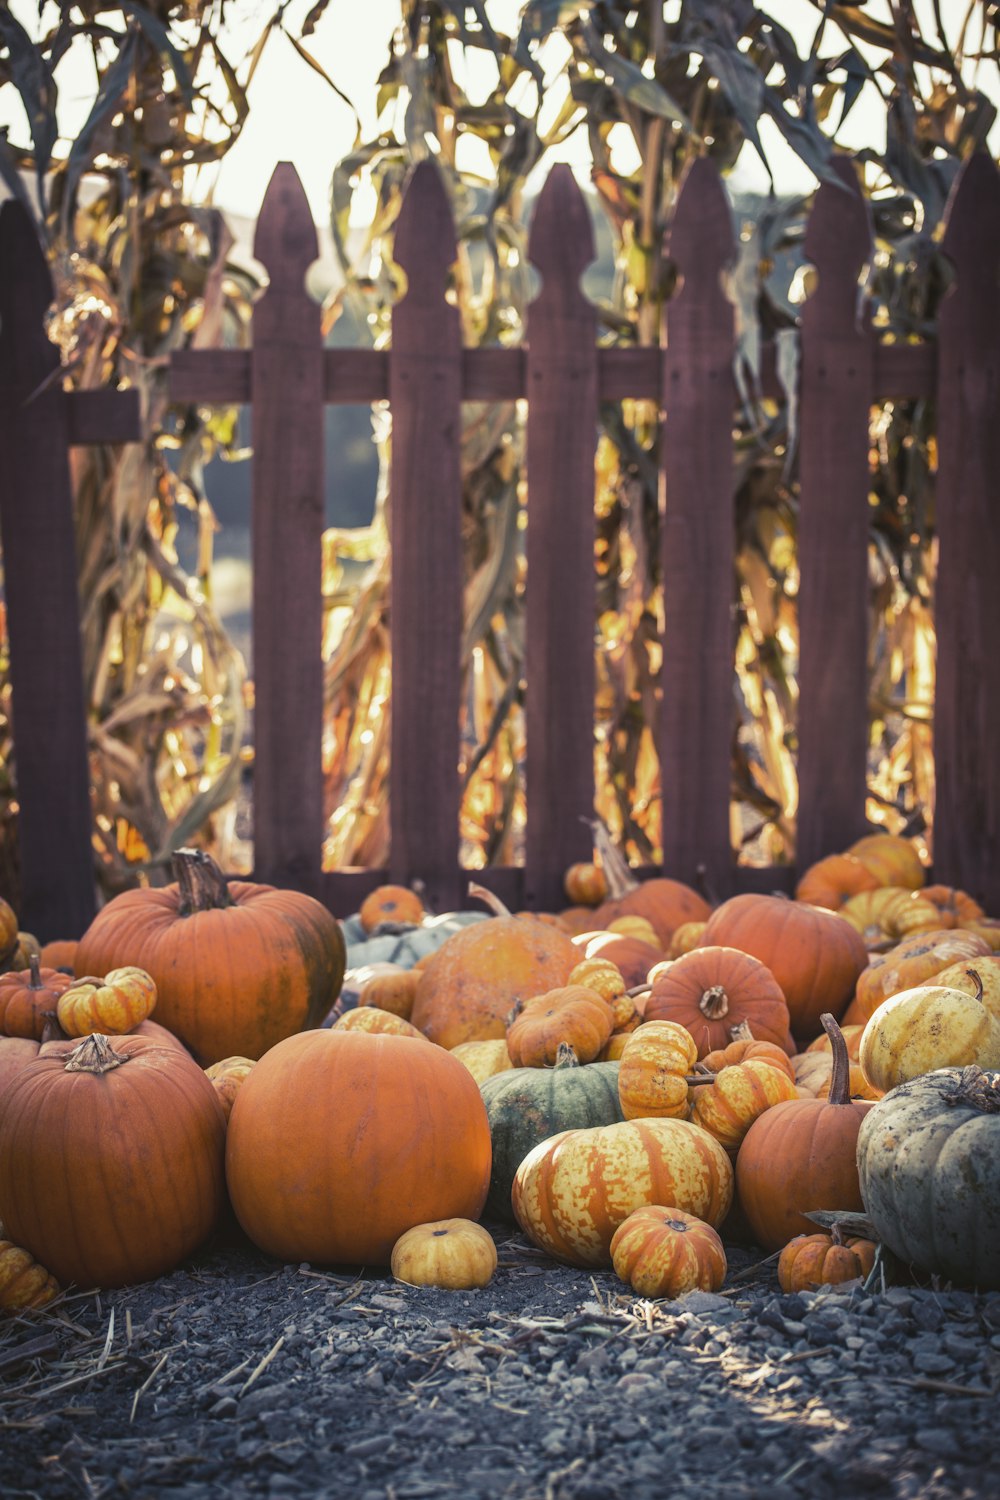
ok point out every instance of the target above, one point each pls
(111, 1159)
(712, 990)
(383, 1135)
(813, 953)
(237, 966)
(475, 978)
(801, 1155)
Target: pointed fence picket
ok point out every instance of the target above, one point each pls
(563, 374)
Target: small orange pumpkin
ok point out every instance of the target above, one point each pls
(664, 1252)
(585, 884)
(652, 1074)
(391, 903)
(572, 1015)
(738, 1096)
(112, 1005)
(28, 1000)
(812, 1260)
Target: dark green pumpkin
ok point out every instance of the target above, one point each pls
(527, 1105)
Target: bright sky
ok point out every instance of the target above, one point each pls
(296, 116)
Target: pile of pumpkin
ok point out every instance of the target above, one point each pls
(622, 1080)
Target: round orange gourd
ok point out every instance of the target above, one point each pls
(469, 986)
(814, 954)
(391, 903)
(585, 884)
(666, 904)
(573, 1190)
(892, 859)
(113, 1005)
(58, 954)
(800, 1156)
(652, 1072)
(663, 1252)
(913, 961)
(743, 1048)
(29, 998)
(237, 965)
(713, 989)
(573, 1016)
(393, 990)
(833, 880)
(954, 907)
(383, 1136)
(631, 955)
(111, 1159)
(738, 1096)
(812, 1260)
(8, 932)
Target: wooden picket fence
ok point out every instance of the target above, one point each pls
(288, 376)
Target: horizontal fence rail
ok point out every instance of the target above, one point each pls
(563, 375)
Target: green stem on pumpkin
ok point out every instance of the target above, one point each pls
(840, 1078)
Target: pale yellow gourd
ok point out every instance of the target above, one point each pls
(929, 1027)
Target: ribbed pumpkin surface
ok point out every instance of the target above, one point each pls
(572, 1192)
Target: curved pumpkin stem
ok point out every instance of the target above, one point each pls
(974, 976)
(616, 871)
(95, 1054)
(741, 1032)
(976, 1088)
(566, 1056)
(840, 1078)
(494, 903)
(203, 887)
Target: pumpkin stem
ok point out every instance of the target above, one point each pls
(840, 1078)
(35, 970)
(203, 886)
(95, 1054)
(494, 903)
(741, 1032)
(616, 871)
(566, 1056)
(975, 1087)
(714, 1003)
(513, 1013)
(974, 976)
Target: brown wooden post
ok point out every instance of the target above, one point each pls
(425, 488)
(561, 365)
(287, 418)
(57, 897)
(967, 509)
(696, 471)
(837, 389)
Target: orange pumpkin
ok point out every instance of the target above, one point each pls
(237, 965)
(852, 1041)
(113, 1005)
(573, 1016)
(29, 998)
(630, 955)
(663, 1252)
(814, 954)
(954, 907)
(812, 1260)
(392, 990)
(892, 859)
(111, 1159)
(736, 1097)
(15, 1053)
(469, 986)
(743, 1048)
(666, 904)
(574, 1189)
(58, 954)
(713, 989)
(833, 880)
(802, 1155)
(653, 1070)
(585, 884)
(383, 1136)
(391, 903)
(912, 962)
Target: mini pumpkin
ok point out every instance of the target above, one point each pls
(226, 1077)
(23, 1282)
(664, 1252)
(112, 1005)
(391, 903)
(812, 1260)
(573, 1015)
(745, 1048)
(599, 974)
(28, 1000)
(393, 990)
(454, 1254)
(584, 884)
(652, 1077)
(713, 989)
(737, 1096)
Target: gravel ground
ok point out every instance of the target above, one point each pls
(237, 1376)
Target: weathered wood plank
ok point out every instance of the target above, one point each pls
(967, 510)
(103, 416)
(696, 726)
(837, 388)
(287, 426)
(425, 489)
(57, 897)
(560, 604)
